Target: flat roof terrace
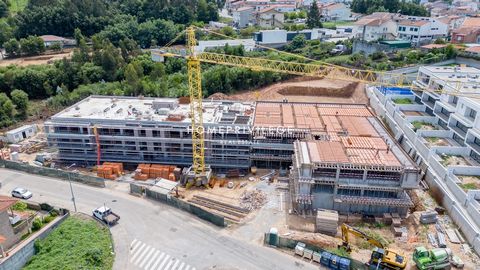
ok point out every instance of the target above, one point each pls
(157, 110)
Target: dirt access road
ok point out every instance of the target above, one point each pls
(36, 60)
(305, 90)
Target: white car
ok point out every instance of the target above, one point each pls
(21, 193)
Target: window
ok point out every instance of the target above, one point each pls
(472, 114)
(455, 100)
(461, 126)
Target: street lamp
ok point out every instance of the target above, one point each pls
(71, 189)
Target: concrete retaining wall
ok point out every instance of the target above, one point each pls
(76, 177)
(20, 255)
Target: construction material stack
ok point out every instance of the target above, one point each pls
(327, 221)
(110, 170)
(154, 171)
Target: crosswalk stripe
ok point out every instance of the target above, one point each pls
(175, 265)
(147, 257)
(157, 262)
(152, 258)
(164, 261)
(139, 258)
(137, 251)
(135, 248)
(133, 242)
(181, 266)
(169, 263)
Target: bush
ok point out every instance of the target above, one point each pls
(19, 206)
(48, 218)
(37, 224)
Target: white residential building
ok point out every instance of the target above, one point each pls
(335, 12)
(248, 44)
(21, 133)
(440, 130)
(243, 17)
(269, 18)
(378, 25)
(421, 30)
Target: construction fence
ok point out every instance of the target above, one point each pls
(177, 203)
(55, 173)
(287, 243)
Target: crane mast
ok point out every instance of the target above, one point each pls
(196, 109)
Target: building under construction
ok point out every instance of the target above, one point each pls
(358, 169)
(340, 151)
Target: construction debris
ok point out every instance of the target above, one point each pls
(253, 199)
(442, 242)
(452, 236)
(327, 221)
(429, 217)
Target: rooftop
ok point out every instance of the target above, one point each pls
(468, 77)
(6, 202)
(375, 19)
(156, 110)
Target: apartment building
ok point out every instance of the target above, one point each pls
(358, 169)
(148, 130)
(440, 130)
(421, 30)
(468, 32)
(243, 17)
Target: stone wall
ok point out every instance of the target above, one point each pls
(6, 230)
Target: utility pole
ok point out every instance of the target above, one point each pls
(71, 188)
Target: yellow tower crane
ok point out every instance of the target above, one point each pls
(312, 68)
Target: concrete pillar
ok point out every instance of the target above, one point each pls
(365, 175)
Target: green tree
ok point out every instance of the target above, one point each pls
(313, 17)
(298, 42)
(57, 47)
(32, 45)
(20, 100)
(3, 9)
(12, 47)
(6, 32)
(6, 110)
(133, 73)
(202, 11)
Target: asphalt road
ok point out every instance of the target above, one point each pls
(152, 235)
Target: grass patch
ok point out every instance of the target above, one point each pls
(16, 6)
(338, 60)
(362, 244)
(469, 186)
(75, 244)
(432, 139)
(402, 101)
(333, 25)
(422, 125)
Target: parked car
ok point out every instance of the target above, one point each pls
(106, 215)
(21, 193)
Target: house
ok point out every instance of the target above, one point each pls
(243, 17)
(421, 30)
(279, 38)
(269, 18)
(473, 51)
(49, 40)
(378, 25)
(453, 22)
(469, 32)
(335, 12)
(21, 133)
(6, 229)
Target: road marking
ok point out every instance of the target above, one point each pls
(139, 258)
(175, 265)
(163, 262)
(147, 257)
(157, 262)
(136, 252)
(169, 263)
(154, 256)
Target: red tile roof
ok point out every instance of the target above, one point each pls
(6, 202)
